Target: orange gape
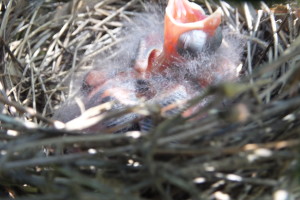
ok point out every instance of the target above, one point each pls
(183, 16)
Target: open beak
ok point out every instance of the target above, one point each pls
(183, 16)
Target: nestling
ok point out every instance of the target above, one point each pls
(161, 63)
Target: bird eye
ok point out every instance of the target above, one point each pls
(192, 43)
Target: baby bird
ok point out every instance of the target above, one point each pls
(170, 62)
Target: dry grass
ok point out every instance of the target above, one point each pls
(245, 150)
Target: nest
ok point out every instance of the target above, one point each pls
(247, 149)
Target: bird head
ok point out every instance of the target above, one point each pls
(187, 30)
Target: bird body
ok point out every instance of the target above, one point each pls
(168, 66)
